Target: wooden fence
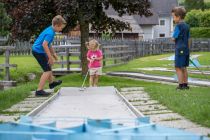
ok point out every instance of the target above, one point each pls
(115, 51)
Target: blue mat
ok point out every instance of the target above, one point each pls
(93, 130)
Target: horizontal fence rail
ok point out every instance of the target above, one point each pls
(115, 51)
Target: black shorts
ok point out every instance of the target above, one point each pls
(42, 59)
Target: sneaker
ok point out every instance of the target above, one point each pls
(41, 93)
(186, 87)
(54, 84)
(179, 88)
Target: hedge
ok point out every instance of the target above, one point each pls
(200, 32)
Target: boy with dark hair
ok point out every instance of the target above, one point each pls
(45, 54)
(181, 37)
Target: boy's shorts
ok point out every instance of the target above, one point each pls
(95, 71)
(42, 59)
(182, 61)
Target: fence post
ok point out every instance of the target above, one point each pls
(7, 75)
(67, 59)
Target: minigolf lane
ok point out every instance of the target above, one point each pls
(93, 102)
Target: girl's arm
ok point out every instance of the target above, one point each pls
(99, 58)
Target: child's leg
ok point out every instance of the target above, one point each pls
(45, 76)
(51, 77)
(91, 80)
(96, 80)
(185, 75)
(185, 78)
(179, 73)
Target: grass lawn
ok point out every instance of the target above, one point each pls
(26, 64)
(153, 61)
(193, 104)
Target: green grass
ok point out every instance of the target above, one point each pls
(193, 104)
(26, 64)
(14, 95)
(153, 61)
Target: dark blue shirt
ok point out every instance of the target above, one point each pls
(181, 36)
(47, 35)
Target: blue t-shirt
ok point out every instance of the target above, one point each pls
(181, 35)
(46, 35)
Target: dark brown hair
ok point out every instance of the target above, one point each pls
(179, 12)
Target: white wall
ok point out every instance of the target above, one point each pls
(167, 29)
(148, 32)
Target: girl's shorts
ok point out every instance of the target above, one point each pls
(95, 71)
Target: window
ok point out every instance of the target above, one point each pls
(162, 22)
(161, 35)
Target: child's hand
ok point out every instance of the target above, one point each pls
(50, 61)
(55, 57)
(91, 60)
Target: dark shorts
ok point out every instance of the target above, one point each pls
(182, 61)
(42, 59)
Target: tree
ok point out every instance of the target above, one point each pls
(5, 21)
(194, 4)
(31, 16)
(193, 18)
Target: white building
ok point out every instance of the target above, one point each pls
(159, 25)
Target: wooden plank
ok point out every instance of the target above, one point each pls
(70, 62)
(70, 53)
(119, 52)
(8, 65)
(7, 47)
(67, 46)
(118, 58)
(115, 47)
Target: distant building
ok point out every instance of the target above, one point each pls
(159, 25)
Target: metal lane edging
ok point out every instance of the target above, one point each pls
(129, 105)
(43, 105)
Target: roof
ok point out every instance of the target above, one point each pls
(133, 23)
(163, 7)
(158, 8)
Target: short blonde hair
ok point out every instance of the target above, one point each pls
(97, 45)
(58, 20)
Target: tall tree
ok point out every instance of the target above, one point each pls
(4, 22)
(31, 16)
(194, 4)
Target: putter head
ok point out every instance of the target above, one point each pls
(82, 89)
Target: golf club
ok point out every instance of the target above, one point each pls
(82, 87)
(198, 69)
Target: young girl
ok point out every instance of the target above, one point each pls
(94, 57)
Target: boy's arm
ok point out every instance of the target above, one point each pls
(53, 53)
(47, 50)
(176, 33)
(189, 42)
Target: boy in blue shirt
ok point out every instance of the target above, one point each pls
(45, 54)
(181, 37)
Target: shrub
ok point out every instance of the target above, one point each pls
(200, 32)
(193, 18)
